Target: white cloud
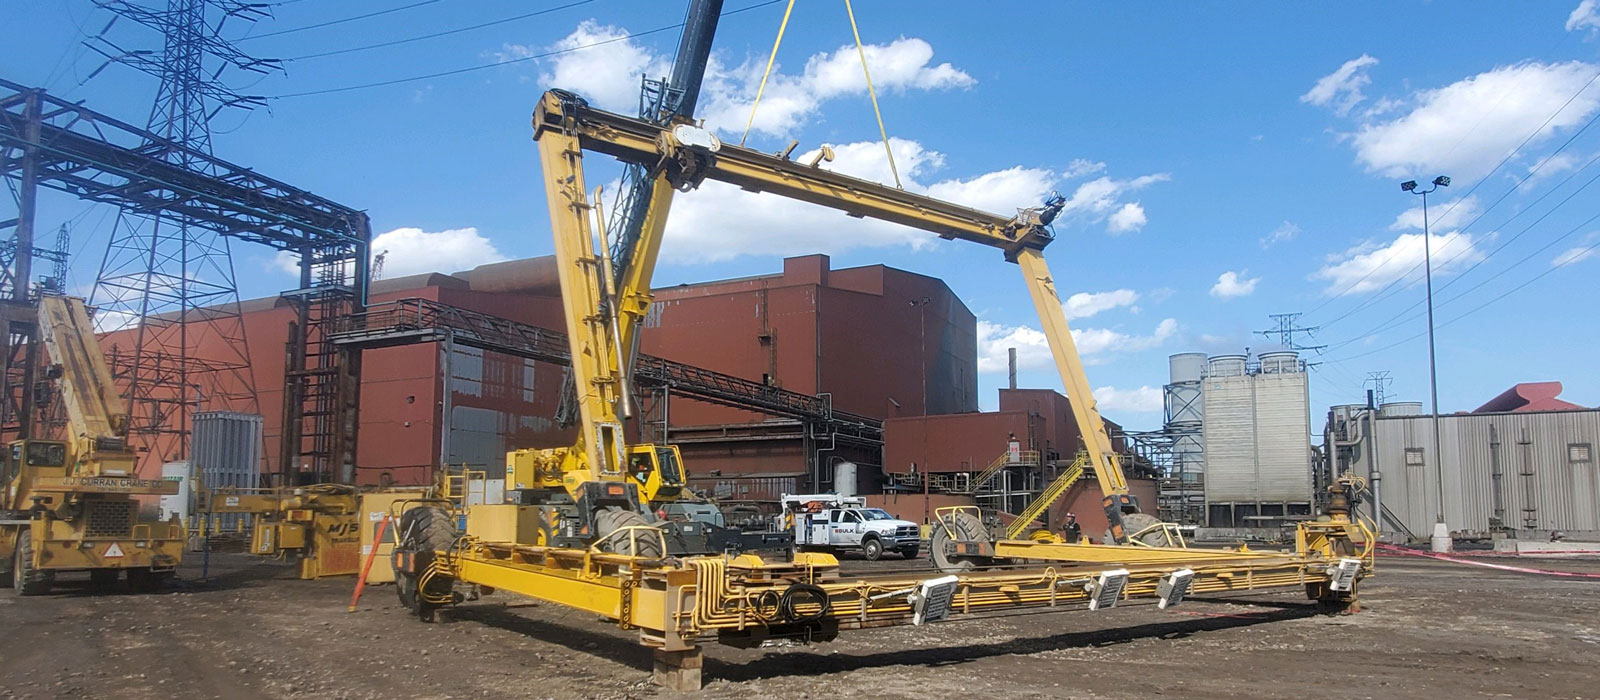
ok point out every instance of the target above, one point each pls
(1086, 304)
(1033, 350)
(1578, 253)
(608, 74)
(1441, 215)
(410, 251)
(791, 100)
(1465, 128)
(1101, 198)
(1285, 232)
(1341, 89)
(1094, 341)
(1080, 167)
(1144, 399)
(1233, 284)
(1585, 16)
(1369, 267)
(1129, 218)
(1553, 164)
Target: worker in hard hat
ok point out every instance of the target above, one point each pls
(1071, 530)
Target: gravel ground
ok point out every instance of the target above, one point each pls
(1427, 630)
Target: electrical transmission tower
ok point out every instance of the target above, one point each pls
(169, 286)
(1380, 383)
(1286, 331)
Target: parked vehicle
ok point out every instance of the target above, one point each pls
(829, 522)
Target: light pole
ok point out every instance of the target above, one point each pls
(1441, 532)
(922, 345)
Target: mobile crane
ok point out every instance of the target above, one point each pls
(581, 539)
(73, 505)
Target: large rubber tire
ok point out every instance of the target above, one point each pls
(424, 530)
(611, 519)
(1133, 523)
(872, 548)
(26, 579)
(966, 527)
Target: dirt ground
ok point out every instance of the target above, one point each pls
(1428, 630)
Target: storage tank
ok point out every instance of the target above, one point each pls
(1280, 361)
(1226, 366)
(1395, 409)
(1186, 366)
(179, 503)
(844, 478)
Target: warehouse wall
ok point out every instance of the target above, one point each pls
(1543, 485)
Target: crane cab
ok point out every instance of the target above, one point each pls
(658, 471)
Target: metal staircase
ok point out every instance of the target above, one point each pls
(1048, 497)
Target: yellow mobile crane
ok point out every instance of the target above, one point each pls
(72, 506)
(584, 542)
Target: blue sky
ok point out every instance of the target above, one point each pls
(1222, 165)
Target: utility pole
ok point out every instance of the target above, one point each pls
(1441, 541)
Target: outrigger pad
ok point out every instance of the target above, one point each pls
(1342, 578)
(931, 602)
(1174, 587)
(1107, 589)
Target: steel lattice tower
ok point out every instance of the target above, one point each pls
(171, 287)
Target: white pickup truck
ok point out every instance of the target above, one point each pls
(833, 523)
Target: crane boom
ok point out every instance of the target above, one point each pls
(96, 414)
(682, 156)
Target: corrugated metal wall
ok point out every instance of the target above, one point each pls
(225, 451)
(1541, 486)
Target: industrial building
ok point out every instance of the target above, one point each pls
(797, 332)
(1521, 465)
(1240, 432)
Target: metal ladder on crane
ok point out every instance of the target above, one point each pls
(1048, 497)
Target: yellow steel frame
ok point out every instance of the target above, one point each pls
(674, 604)
(565, 127)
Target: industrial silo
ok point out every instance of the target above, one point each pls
(1256, 434)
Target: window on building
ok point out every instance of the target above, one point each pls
(1579, 453)
(1414, 457)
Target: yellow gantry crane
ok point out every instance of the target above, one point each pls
(579, 536)
(71, 506)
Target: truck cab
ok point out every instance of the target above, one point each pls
(834, 523)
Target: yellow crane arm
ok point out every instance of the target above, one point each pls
(681, 157)
(96, 414)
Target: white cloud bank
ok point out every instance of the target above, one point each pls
(1370, 267)
(1585, 16)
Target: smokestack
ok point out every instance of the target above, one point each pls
(1011, 367)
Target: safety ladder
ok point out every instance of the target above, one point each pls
(1046, 498)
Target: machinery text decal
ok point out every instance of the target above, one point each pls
(111, 482)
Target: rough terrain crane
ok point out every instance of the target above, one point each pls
(581, 540)
(73, 505)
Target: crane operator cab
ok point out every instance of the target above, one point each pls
(658, 471)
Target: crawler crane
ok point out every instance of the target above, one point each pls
(72, 506)
(581, 538)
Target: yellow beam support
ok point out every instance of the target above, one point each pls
(1079, 394)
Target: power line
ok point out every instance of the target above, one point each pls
(436, 35)
(1583, 251)
(1390, 322)
(1391, 288)
(330, 23)
(506, 62)
(1476, 185)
